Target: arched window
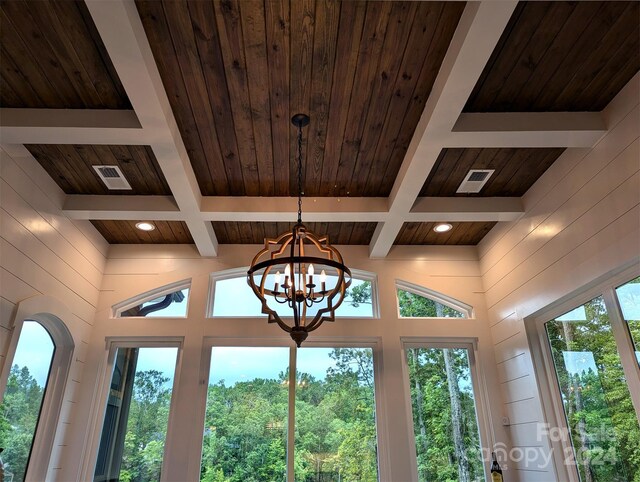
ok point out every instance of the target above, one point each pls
(32, 384)
(361, 300)
(419, 302)
(169, 301)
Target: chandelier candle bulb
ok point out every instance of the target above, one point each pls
(310, 276)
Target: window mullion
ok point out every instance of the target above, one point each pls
(625, 347)
(291, 431)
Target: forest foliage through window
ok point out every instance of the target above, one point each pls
(412, 305)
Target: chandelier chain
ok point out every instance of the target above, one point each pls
(299, 174)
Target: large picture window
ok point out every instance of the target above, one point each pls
(23, 397)
(284, 414)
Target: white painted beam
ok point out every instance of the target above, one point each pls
(125, 40)
(526, 129)
(70, 126)
(433, 209)
(123, 207)
(229, 208)
(477, 34)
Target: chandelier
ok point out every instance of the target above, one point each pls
(284, 278)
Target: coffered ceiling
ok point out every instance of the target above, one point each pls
(192, 101)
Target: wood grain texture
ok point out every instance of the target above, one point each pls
(561, 56)
(70, 166)
(236, 71)
(515, 170)
(461, 234)
(53, 57)
(125, 232)
(231, 232)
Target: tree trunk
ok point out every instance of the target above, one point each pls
(575, 385)
(456, 418)
(419, 400)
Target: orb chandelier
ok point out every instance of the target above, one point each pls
(284, 274)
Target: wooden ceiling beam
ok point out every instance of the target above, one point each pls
(476, 36)
(124, 38)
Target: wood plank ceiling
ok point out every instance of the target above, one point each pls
(70, 166)
(561, 56)
(460, 234)
(229, 232)
(53, 57)
(515, 170)
(125, 232)
(236, 71)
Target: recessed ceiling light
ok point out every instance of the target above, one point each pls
(145, 226)
(442, 227)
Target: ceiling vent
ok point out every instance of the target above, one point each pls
(112, 177)
(475, 180)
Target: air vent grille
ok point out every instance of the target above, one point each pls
(475, 180)
(112, 177)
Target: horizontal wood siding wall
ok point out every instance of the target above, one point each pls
(44, 253)
(582, 220)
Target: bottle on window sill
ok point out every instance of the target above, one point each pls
(496, 471)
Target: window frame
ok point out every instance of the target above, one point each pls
(548, 389)
(457, 305)
(49, 313)
(478, 382)
(241, 272)
(106, 369)
(118, 308)
(375, 343)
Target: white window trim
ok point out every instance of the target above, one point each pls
(241, 272)
(481, 396)
(125, 305)
(375, 343)
(553, 409)
(465, 309)
(49, 313)
(106, 369)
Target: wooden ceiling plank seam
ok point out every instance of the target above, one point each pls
(589, 38)
(144, 155)
(36, 82)
(80, 166)
(57, 36)
(327, 19)
(65, 183)
(254, 40)
(603, 88)
(420, 231)
(233, 230)
(463, 233)
(413, 60)
(232, 49)
(300, 74)
(542, 38)
(64, 165)
(444, 30)
(441, 171)
(346, 230)
(512, 56)
(181, 29)
(359, 234)
(207, 41)
(221, 231)
(181, 232)
(154, 20)
(162, 234)
(120, 93)
(246, 233)
(530, 171)
(579, 20)
(133, 172)
(41, 49)
(459, 170)
(278, 58)
(473, 102)
(503, 176)
(588, 71)
(9, 95)
(374, 33)
(350, 31)
(396, 35)
(15, 79)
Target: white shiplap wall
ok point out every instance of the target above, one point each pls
(44, 253)
(582, 220)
